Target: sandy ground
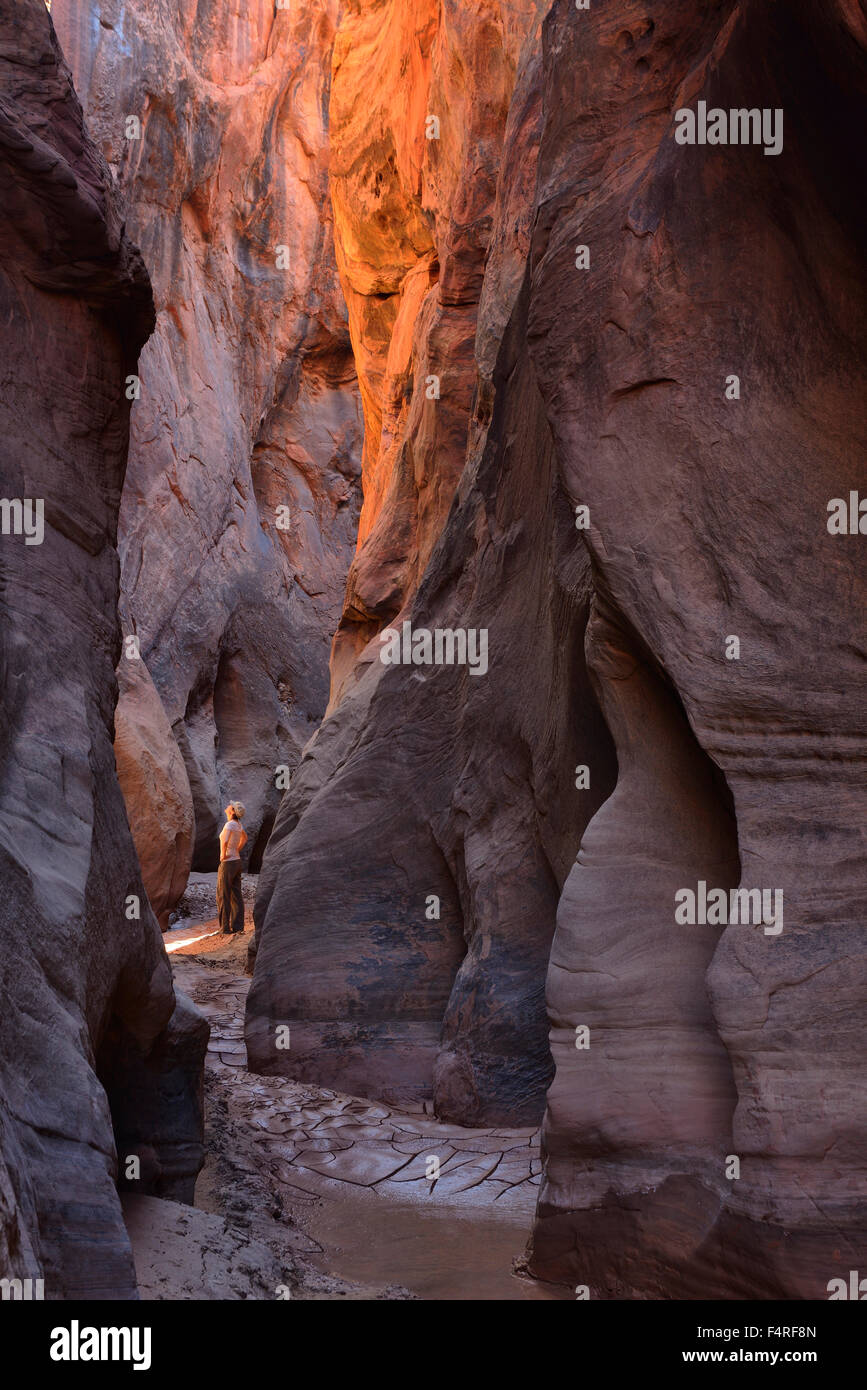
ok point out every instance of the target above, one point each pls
(311, 1194)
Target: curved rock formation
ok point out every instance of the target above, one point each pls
(78, 962)
(681, 372)
(448, 799)
(612, 382)
(709, 520)
(240, 505)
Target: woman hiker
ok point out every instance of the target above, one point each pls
(230, 901)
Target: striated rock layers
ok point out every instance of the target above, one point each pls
(703, 1135)
(407, 899)
(78, 967)
(155, 786)
(240, 506)
(708, 505)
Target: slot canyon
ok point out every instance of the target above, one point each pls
(342, 321)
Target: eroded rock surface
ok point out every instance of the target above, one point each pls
(708, 520)
(432, 783)
(76, 307)
(240, 506)
(407, 901)
(601, 384)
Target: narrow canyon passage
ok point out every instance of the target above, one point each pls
(332, 1187)
(433, 439)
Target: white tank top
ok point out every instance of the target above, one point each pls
(230, 838)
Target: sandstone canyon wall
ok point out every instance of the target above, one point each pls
(709, 520)
(470, 890)
(599, 381)
(240, 507)
(407, 900)
(82, 977)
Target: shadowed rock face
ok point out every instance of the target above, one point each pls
(76, 307)
(240, 506)
(708, 519)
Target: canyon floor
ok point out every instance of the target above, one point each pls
(307, 1193)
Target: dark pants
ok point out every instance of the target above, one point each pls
(230, 902)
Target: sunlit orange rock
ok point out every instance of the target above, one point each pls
(417, 118)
